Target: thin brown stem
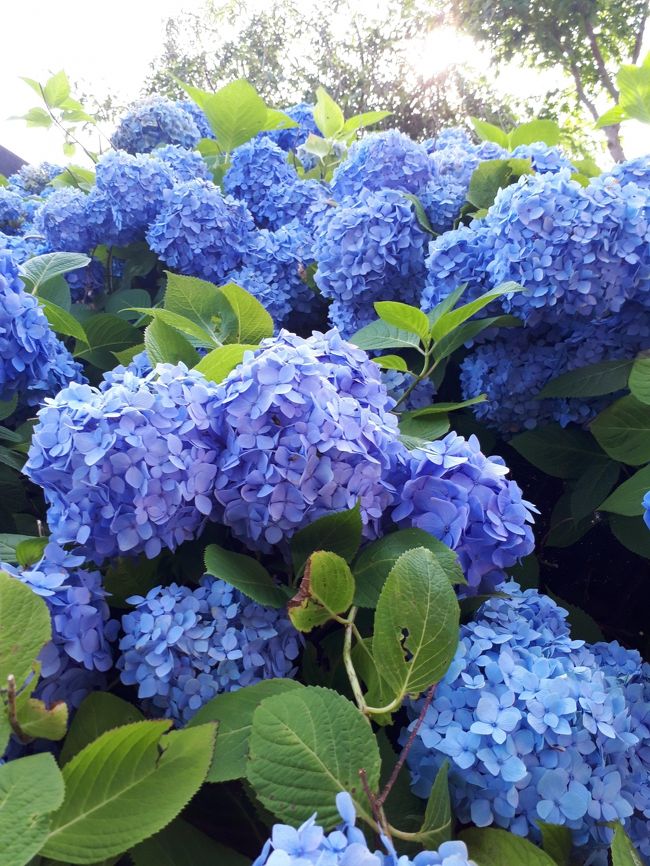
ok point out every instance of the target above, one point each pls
(12, 712)
(603, 74)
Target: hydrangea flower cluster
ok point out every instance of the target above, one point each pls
(513, 368)
(198, 116)
(383, 160)
(307, 431)
(12, 211)
(33, 361)
(34, 179)
(452, 490)
(458, 257)
(78, 655)
(543, 157)
(63, 220)
(291, 138)
(129, 468)
(185, 164)
(370, 249)
(183, 646)
(538, 727)
(346, 846)
(200, 232)
(152, 122)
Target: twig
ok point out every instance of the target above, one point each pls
(12, 713)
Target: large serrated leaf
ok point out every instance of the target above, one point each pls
(246, 574)
(591, 381)
(165, 345)
(134, 779)
(436, 827)
(489, 847)
(243, 318)
(40, 269)
(623, 851)
(623, 430)
(306, 747)
(25, 628)
(416, 623)
(234, 713)
(30, 789)
(98, 713)
(627, 499)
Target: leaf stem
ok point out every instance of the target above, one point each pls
(351, 628)
(12, 713)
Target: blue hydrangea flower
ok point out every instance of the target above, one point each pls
(200, 232)
(62, 220)
(646, 506)
(12, 211)
(33, 179)
(455, 136)
(397, 382)
(185, 164)
(132, 188)
(183, 646)
(131, 468)
(261, 176)
(33, 361)
(543, 157)
(198, 116)
(513, 368)
(577, 251)
(631, 171)
(452, 490)
(369, 250)
(291, 139)
(382, 160)
(537, 726)
(78, 655)
(458, 257)
(154, 121)
(272, 272)
(346, 846)
(307, 430)
(139, 366)
(22, 248)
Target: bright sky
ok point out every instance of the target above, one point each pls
(109, 47)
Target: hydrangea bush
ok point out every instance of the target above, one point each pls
(240, 532)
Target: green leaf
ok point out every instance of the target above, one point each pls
(565, 528)
(35, 720)
(614, 115)
(547, 131)
(98, 713)
(194, 299)
(106, 334)
(623, 430)
(236, 112)
(30, 550)
(276, 119)
(416, 623)
(40, 269)
(489, 847)
(634, 86)
(391, 362)
(327, 114)
(380, 335)
(557, 842)
(595, 483)
(25, 628)
(63, 322)
(420, 213)
(135, 780)
(623, 851)
(180, 843)
(487, 179)
(448, 322)
(404, 318)
(627, 499)
(591, 381)
(245, 573)
(179, 323)
(218, 363)
(57, 291)
(165, 345)
(378, 692)
(468, 331)
(123, 302)
(422, 430)
(57, 89)
(376, 560)
(443, 408)
(306, 747)
(326, 589)
(561, 452)
(234, 713)
(8, 407)
(30, 789)
(37, 117)
(632, 533)
(447, 303)
(361, 121)
(339, 532)
(437, 824)
(489, 132)
(9, 544)
(639, 382)
(243, 318)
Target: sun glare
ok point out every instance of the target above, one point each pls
(441, 48)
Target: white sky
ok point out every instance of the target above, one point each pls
(109, 47)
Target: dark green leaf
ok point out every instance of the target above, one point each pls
(627, 499)
(234, 713)
(245, 573)
(605, 377)
(563, 453)
(623, 430)
(106, 334)
(179, 323)
(632, 532)
(557, 842)
(180, 843)
(339, 532)
(583, 626)
(639, 382)
(375, 562)
(425, 429)
(194, 299)
(566, 529)
(448, 322)
(594, 484)
(489, 847)
(488, 178)
(469, 330)
(623, 851)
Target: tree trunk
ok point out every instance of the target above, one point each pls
(614, 142)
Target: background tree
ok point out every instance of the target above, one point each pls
(588, 39)
(287, 49)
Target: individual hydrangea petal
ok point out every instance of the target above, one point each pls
(182, 646)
